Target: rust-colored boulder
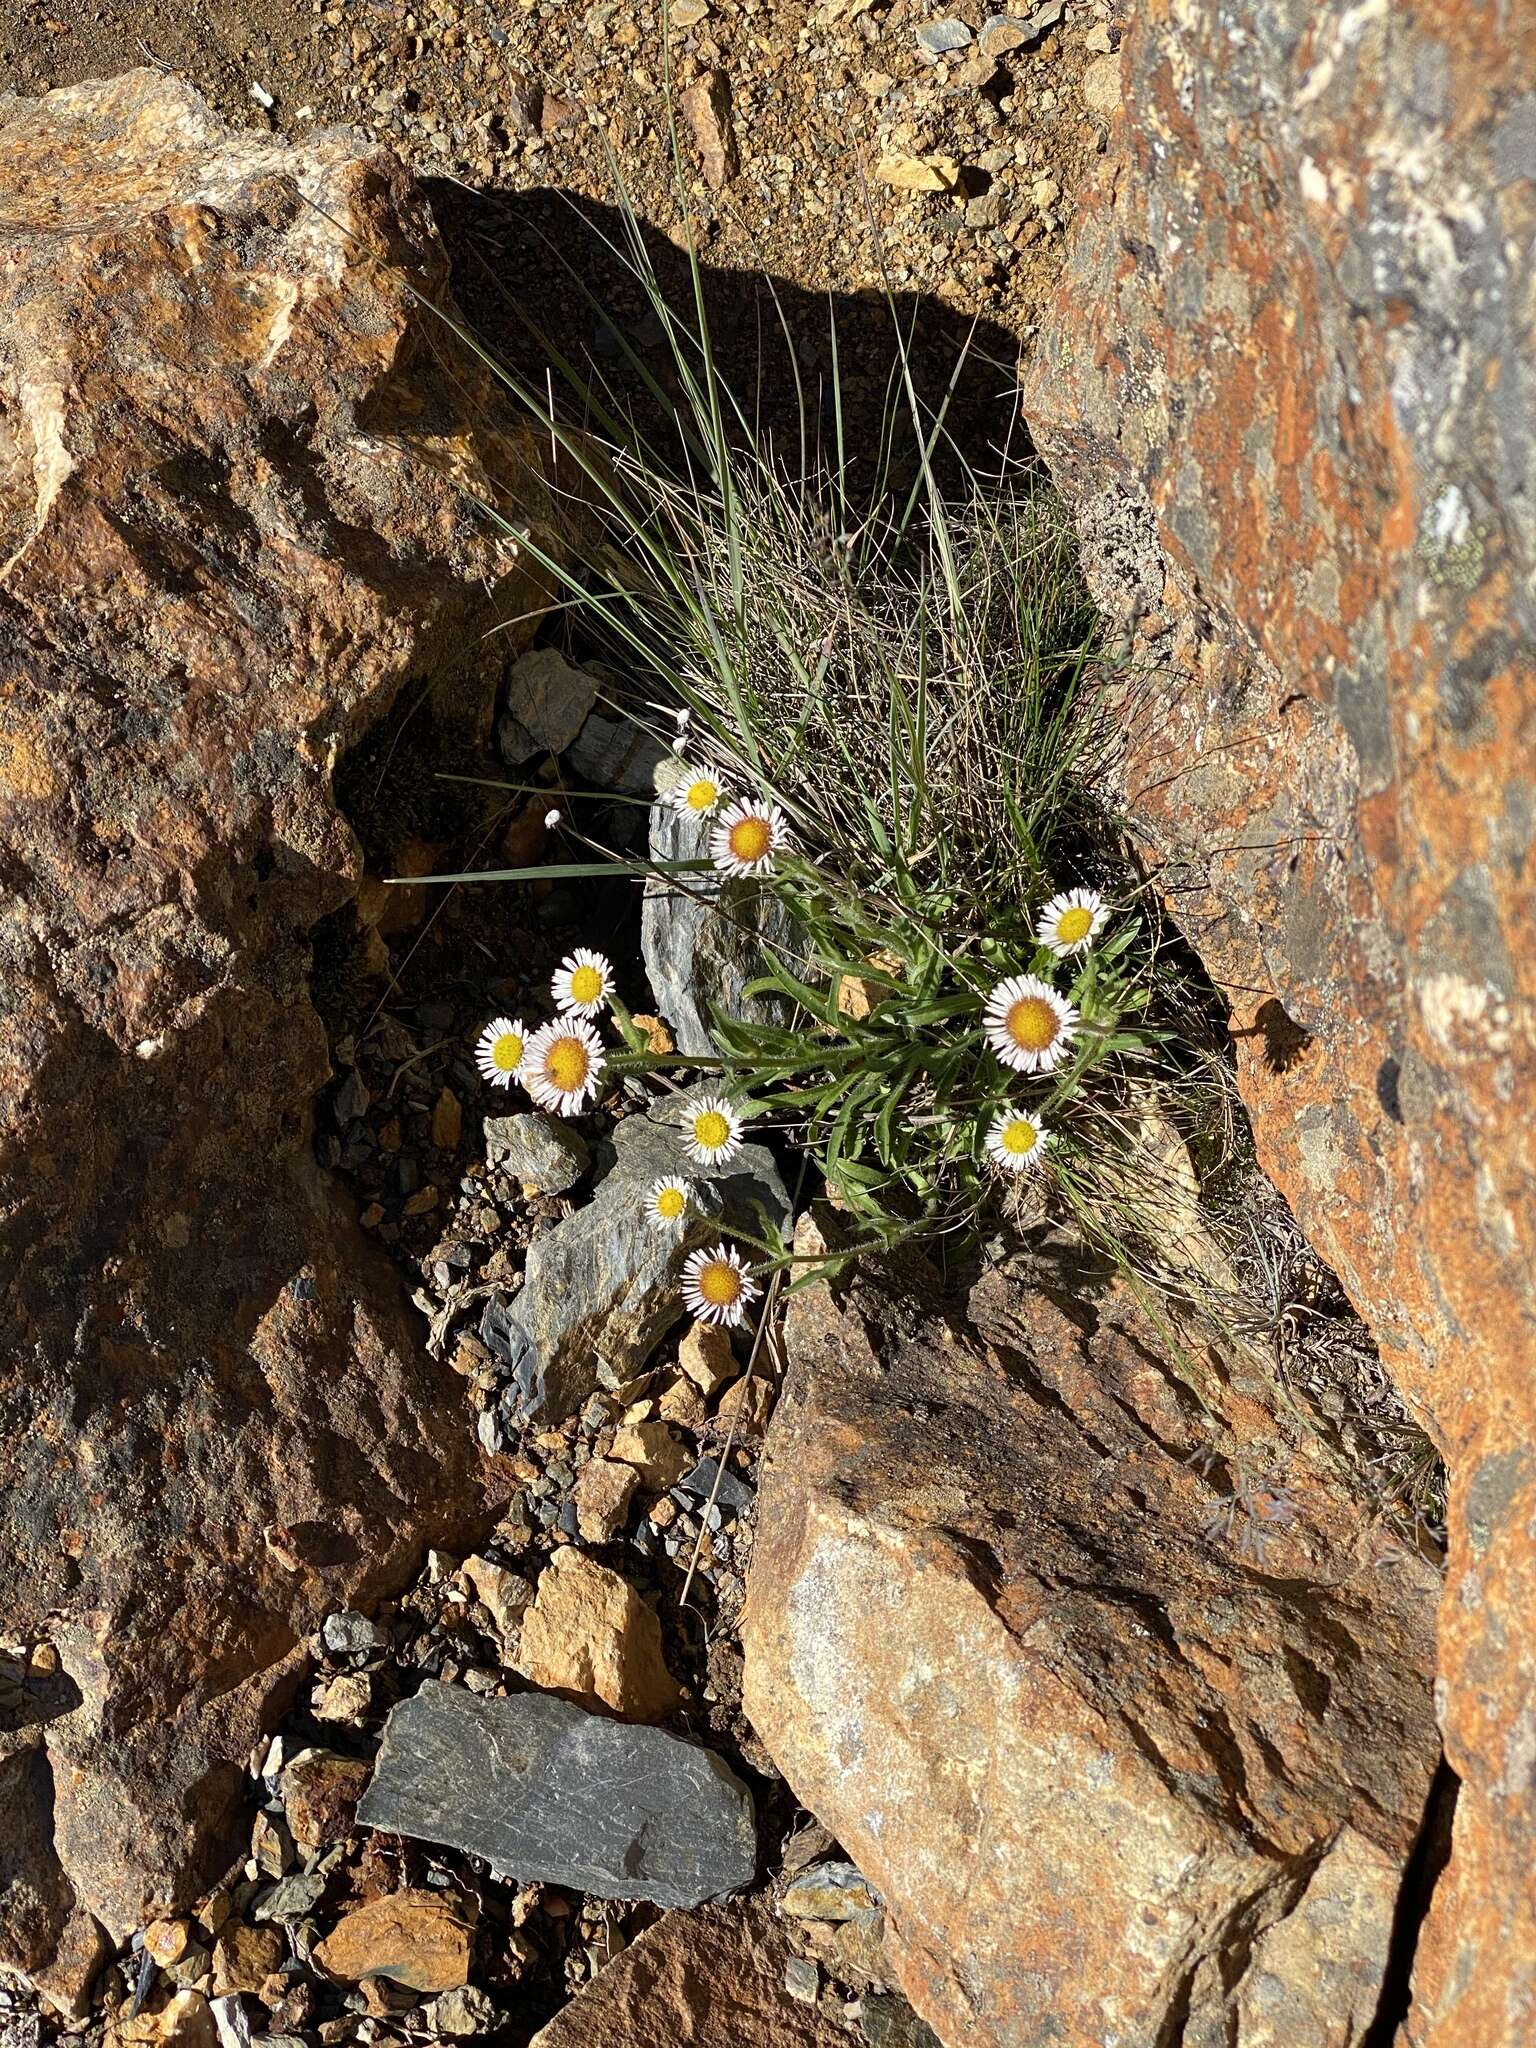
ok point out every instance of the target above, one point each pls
(713, 1978)
(1078, 1643)
(230, 535)
(1288, 388)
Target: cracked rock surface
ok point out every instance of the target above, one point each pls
(1081, 1646)
(1288, 387)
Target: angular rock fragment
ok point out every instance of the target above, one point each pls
(589, 1633)
(420, 1939)
(548, 699)
(601, 1287)
(602, 1494)
(1111, 1774)
(706, 107)
(703, 937)
(545, 1155)
(714, 1978)
(547, 1792)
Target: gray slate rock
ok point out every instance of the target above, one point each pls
(889, 2022)
(547, 703)
(937, 37)
(601, 1287)
(615, 753)
(538, 1150)
(732, 1492)
(703, 941)
(548, 1793)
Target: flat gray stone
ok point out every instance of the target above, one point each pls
(702, 937)
(548, 1793)
(615, 753)
(938, 37)
(547, 704)
(540, 1151)
(601, 1287)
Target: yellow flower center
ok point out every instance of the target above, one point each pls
(586, 985)
(701, 794)
(670, 1204)
(1032, 1024)
(750, 838)
(507, 1053)
(567, 1065)
(719, 1283)
(711, 1130)
(1019, 1137)
(1073, 925)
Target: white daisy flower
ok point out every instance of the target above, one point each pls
(712, 1129)
(1072, 921)
(1016, 1141)
(583, 983)
(561, 1065)
(747, 838)
(1028, 1025)
(717, 1286)
(666, 1205)
(500, 1049)
(695, 791)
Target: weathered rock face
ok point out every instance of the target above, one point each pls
(710, 1979)
(1078, 1643)
(1289, 389)
(230, 533)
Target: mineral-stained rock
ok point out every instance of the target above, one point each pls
(602, 1494)
(320, 1791)
(828, 1891)
(545, 1791)
(589, 1634)
(44, 1931)
(700, 938)
(1113, 1771)
(184, 2020)
(230, 533)
(420, 1939)
(601, 1287)
(504, 1593)
(706, 107)
(1288, 388)
(244, 1957)
(709, 1979)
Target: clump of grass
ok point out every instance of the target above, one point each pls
(904, 677)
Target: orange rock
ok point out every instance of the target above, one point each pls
(420, 1939)
(245, 1957)
(200, 374)
(1270, 465)
(602, 1494)
(1072, 1732)
(320, 1791)
(713, 1977)
(590, 1636)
